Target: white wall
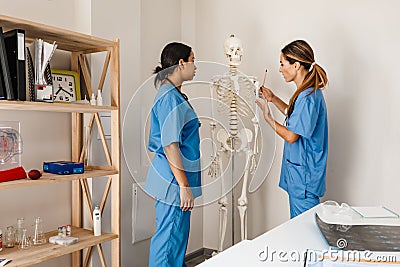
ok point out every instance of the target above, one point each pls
(356, 42)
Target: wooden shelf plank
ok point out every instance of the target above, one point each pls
(53, 107)
(41, 253)
(66, 39)
(48, 178)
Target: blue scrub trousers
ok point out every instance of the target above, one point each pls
(300, 205)
(169, 243)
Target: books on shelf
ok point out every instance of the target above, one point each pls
(15, 46)
(5, 78)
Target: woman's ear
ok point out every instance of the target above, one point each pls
(181, 63)
(297, 65)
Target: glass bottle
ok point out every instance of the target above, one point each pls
(18, 231)
(25, 240)
(38, 237)
(9, 238)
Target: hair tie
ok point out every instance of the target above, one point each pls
(158, 69)
(312, 66)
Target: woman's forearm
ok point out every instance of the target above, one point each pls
(175, 162)
(282, 131)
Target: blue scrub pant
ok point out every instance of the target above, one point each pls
(169, 243)
(300, 205)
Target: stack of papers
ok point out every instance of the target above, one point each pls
(41, 52)
(64, 241)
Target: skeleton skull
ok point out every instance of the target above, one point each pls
(233, 50)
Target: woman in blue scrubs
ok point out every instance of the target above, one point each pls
(305, 131)
(173, 178)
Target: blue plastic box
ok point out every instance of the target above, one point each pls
(63, 167)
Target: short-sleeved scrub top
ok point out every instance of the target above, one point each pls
(304, 161)
(173, 120)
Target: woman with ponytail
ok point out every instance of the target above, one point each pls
(305, 131)
(173, 178)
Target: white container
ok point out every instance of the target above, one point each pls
(97, 221)
(93, 100)
(99, 98)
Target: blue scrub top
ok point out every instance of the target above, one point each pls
(173, 120)
(304, 161)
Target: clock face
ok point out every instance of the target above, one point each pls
(64, 88)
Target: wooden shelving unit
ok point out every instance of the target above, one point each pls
(79, 45)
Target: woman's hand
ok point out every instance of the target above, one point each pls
(266, 93)
(263, 104)
(187, 200)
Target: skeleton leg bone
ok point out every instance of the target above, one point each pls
(246, 136)
(223, 219)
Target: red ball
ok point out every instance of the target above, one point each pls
(34, 174)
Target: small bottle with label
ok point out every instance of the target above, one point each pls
(59, 229)
(97, 221)
(68, 230)
(64, 231)
(93, 100)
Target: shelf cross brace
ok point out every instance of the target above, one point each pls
(88, 197)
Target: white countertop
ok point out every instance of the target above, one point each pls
(284, 245)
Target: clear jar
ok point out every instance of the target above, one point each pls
(25, 240)
(18, 231)
(38, 237)
(9, 237)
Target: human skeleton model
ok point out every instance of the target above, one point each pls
(236, 96)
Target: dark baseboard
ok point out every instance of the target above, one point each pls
(199, 253)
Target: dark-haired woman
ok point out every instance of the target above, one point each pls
(305, 133)
(174, 177)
